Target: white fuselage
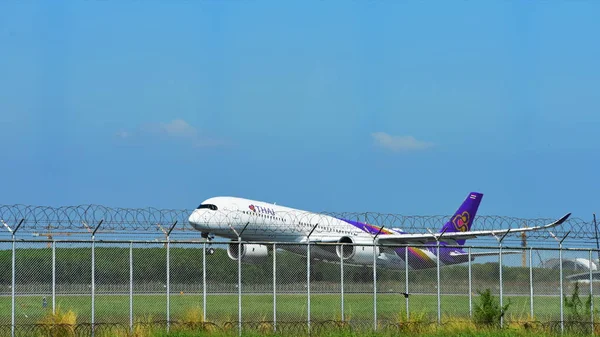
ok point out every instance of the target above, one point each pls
(256, 221)
(261, 221)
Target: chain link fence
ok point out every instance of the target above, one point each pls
(100, 287)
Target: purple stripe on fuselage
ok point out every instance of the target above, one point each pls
(417, 258)
(371, 229)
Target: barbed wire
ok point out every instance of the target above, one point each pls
(291, 328)
(84, 218)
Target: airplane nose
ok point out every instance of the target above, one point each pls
(198, 220)
(194, 218)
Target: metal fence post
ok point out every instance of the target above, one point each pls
(374, 287)
(500, 271)
(439, 297)
(560, 271)
(94, 278)
(591, 293)
(93, 285)
(308, 276)
(12, 289)
(131, 286)
(470, 285)
(168, 236)
(13, 283)
(406, 281)
(204, 282)
(239, 286)
(375, 279)
(308, 285)
(439, 284)
(53, 277)
(501, 283)
(168, 284)
(274, 287)
(531, 283)
(342, 280)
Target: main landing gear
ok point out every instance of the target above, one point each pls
(209, 250)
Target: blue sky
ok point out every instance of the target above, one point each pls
(399, 107)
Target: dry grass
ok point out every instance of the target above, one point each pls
(60, 324)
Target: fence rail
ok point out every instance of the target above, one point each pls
(116, 283)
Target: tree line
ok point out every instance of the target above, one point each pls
(73, 266)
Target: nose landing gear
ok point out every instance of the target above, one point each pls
(208, 238)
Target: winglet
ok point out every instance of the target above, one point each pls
(559, 221)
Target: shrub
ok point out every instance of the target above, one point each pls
(59, 324)
(488, 311)
(578, 311)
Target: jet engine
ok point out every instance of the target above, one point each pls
(249, 252)
(356, 253)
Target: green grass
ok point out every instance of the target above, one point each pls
(224, 308)
(437, 333)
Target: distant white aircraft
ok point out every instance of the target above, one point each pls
(251, 220)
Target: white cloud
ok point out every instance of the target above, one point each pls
(178, 128)
(175, 129)
(122, 134)
(399, 143)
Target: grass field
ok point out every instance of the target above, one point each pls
(440, 333)
(224, 308)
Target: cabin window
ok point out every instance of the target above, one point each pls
(209, 206)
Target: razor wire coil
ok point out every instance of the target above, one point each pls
(83, 219)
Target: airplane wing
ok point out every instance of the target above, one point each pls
(403, 239)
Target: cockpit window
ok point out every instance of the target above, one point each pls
(209, 206)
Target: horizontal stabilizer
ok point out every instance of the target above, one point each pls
(479, 254)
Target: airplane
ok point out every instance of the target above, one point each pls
(245, 221)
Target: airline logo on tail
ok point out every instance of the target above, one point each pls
(461, 221)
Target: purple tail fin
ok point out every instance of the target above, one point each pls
(462, 220)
